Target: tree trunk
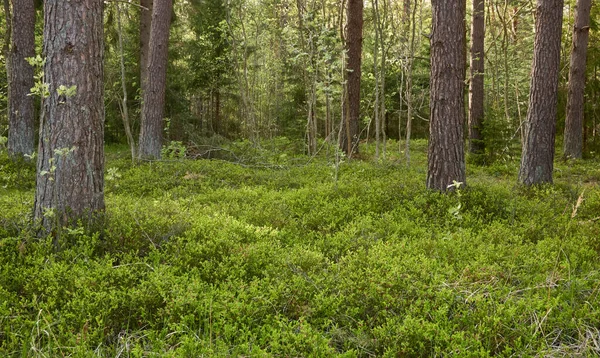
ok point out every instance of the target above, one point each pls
(354, 29)
(377, 79)
(537, 160)
(21, 106)
(217, 114)
(153, 104)
(124, 105)
(409, 84)
(145, 25)
(573, 137)
(70, 168)
(406, 11)
(446, 157)
(476, 109)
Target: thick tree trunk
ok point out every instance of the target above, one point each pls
(476, 109)
(21, 118)
(70, 173)
(153, 104)
(145, 24)
(573, 137)
(446, 157)
(354, 36)
(537, 160)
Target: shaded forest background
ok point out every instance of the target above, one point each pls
(254, 70)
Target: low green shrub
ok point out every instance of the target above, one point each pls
(216, 258)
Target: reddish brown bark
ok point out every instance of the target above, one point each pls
(145, 24)
(153, 104)
(21, 117)
(537, 160)
(70, 179)
(446, 157)
(573, 135)
(354, 36)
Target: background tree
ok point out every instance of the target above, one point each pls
(70, 169)
(6, 40)
(145, 26)
(208, 24)
(446, 158)
(153, 104)
(573, 135)
(476, 84)
(354, 37)
(124, 102)
(410, 22)
(537, 160)
(20, 104)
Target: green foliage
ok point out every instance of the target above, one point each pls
(67, 92)
(175, 150)
(40, 88)
(216, 258)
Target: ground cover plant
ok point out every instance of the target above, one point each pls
(267, 253)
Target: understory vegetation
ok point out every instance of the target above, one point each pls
(262, 252)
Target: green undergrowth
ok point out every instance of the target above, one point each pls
(277, 257)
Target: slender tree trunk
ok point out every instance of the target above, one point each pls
(7, 36)
(6, 44)
(406, 11)
(476, 108)
(503, 17)
(377, 78)
(515, 23)
(573, 137)
(21, 117)
(153, 105)
(354, 29)
(409, 83)
(124, 105)
(537, 160)
(383, 70)
(145, 25)
(70, 168)
(446, 158)
(217, 114)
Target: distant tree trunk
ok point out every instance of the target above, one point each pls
(153, 104)
(409, 83)
(70, 168)
(446, 157)
(406, 11)
(476, 109)
(515, 23)
(6, 43)
(124, 105)
(573, 137)
(537, 160)
(145, 25)
(21, 106)
(217, 114)
(376, 105)
(354, 36)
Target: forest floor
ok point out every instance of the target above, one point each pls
(267, 253)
